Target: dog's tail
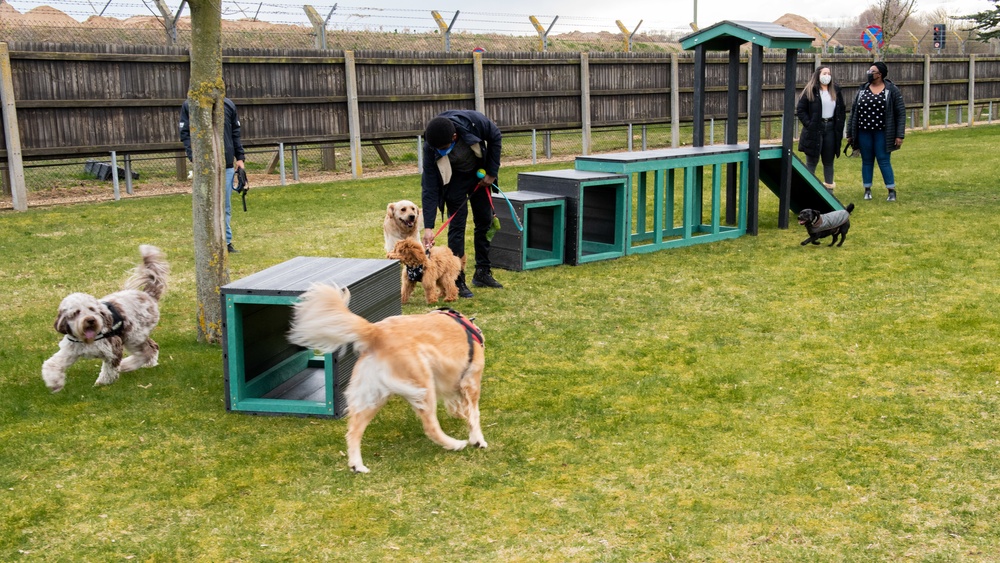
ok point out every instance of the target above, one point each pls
(321, 321)
(151, 275)
(849, 208)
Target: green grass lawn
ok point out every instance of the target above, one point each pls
(747, 400)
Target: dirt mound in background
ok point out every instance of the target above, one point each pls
(43, 16)
(802, 25)
(47, 16)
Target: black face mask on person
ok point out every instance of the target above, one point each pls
(871, 77)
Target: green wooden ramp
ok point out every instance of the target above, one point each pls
(807, 192)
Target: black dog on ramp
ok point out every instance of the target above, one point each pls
(821, 225)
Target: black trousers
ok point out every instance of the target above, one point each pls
(827, 151)
(456, 194)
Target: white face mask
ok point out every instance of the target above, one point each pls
(825, 79)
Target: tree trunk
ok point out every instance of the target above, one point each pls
(207, 119)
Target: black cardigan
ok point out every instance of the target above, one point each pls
(895, 115)
(810, 114)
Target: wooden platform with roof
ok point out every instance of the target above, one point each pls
(731, 36)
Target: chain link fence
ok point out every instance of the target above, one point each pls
(69, 180)
(416, 30)
(845, 39)
(395, 30)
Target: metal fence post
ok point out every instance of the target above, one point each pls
(629, 137)
(534, 152)
(128, 174)
(445, 28)
(281, 162)
(295, 162)
(927, 92)
(114, 175)
(420, 152)
(972, 89)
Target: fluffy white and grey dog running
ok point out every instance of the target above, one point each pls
(105, 328)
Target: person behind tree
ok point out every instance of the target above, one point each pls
(234, 155)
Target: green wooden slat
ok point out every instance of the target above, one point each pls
(682, 242)
(641, 193)
(817, 185)
(716, 197)
(234, 336)
(770, 153)
(668, 200)
(538, 258)
(263, 299)
(280, 373)
(658, 179)
(284, 407)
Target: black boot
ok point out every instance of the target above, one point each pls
(483, 278)
(463, 290)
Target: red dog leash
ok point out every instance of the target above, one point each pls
(443, 225)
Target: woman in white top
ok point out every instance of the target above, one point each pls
(822, 112)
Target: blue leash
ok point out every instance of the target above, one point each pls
(482, 174)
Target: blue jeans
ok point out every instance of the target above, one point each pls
(872, 145)
(230, 174)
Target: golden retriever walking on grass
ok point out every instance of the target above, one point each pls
(419, 357)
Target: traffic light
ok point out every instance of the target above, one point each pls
(939, 36)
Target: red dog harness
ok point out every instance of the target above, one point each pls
(471, 330)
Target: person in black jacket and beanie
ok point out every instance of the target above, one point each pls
(877, 127)
(821, 110)
(231, 138)
(457, 144)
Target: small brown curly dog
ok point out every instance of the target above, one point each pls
(437, 270)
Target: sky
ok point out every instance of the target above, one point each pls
(512, 15)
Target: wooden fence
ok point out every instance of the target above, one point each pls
(66, 101)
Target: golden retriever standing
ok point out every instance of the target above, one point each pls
(437, 269)
(403, 220)
(419, 357)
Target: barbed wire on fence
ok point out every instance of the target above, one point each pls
(257, 25)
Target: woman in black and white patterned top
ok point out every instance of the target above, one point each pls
(877, 126)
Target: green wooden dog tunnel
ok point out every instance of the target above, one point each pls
(264, 373)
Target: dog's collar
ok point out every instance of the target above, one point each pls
(471, 330)
(117, 324)
(415, 273)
